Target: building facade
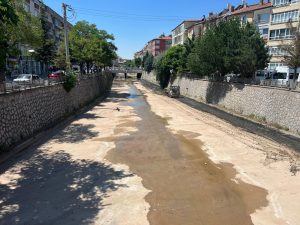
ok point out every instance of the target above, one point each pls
(180, 33)
(258, 14)
(155, 47)
(284, 22)
(54, 23)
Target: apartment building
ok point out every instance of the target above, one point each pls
(159, 45)
(258, 14)
(284, 22)
(180, 33)
(200, 27)
(26, 63)
(156, 46)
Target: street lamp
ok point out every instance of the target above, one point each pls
(31, 51)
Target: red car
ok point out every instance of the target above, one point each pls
(57, 75)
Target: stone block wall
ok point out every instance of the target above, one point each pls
(25, 113)
(277, 106)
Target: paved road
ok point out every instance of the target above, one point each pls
(142, 158)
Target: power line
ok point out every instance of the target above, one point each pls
(106, 13)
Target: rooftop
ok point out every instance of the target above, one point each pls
(240, 9)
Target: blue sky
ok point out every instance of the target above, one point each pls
(135, 22)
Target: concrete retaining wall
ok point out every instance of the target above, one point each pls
(24, 113)
(277, 106)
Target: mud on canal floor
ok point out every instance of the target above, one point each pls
(186, 186)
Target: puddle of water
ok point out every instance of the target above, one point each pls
(187, 188)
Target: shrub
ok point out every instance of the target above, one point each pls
(70, 81)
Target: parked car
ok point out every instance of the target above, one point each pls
(57, 75)
(28, 79)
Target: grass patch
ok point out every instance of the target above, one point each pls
(260, 119)
(280, 127)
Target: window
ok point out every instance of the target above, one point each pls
(264, 32)
(157, 47)
(291, 77)
(157, 42)
(285, 17)
(36, 6)
(281, 34)
(263, 18)
(275, 51)
(280, 76)
(273, 66)
(244, 19)
(283, 2)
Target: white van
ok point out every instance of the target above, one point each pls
(284, 76)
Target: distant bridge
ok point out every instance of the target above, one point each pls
(124, 70)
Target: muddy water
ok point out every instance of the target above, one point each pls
(187, 188)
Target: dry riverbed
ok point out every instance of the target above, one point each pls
(141, 158)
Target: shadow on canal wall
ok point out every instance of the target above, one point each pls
(276, 106)
(246, 124)
(24, 114)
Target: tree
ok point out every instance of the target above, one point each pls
(129, 64)
(292, 58)
(138, 62)
(162, 71)
(229, 47)
(8, 17)
(46, 52)
(17, 27)
(89, 46)
(175, 59)
(148, 64)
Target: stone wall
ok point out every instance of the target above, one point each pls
(277, 106)
(25, 113)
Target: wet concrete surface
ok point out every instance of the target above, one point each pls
(187, 188)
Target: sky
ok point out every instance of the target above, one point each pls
(134, 22)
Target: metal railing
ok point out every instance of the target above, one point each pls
(282, 84)
(11, 86)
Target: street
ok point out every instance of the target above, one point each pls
(141, 158)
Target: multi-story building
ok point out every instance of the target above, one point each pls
(55, 24)
(159, 45)
(180, 33)
(258, 14)
(283, 23)
(156, 46)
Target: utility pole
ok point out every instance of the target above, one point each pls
(68, 63)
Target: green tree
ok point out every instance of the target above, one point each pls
(175, 59)
(229, 47)
(163, 73)
(8, 18)
(46, 52)
(17, 27)
(172, 63)
(144, 59)
(138, 62)
(129, 64)
(148, 64)
(60, 56)
(90, 46)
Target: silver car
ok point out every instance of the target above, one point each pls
(27, 79)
